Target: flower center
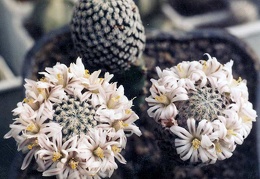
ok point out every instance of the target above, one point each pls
(86, 75)
(119, 125)
(231, 132)
(33, 144)
(42, 91)
(74, 116)
(163, 99)
(73, 163)
(60, 79)
(218, 147)
(56, 156)
(115, 149)
(30, 102)
(99, 152)
(112, 103)
(196, 143)
(204, 103)
(33, 128)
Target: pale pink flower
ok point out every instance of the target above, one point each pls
(189, 73)
(162, 102)
(63, 160)
(95, 148)
(116, 100)
(195, 144)
(233, 125)
(125, 120)
(248, 116)
(31, 128)
(94, 89)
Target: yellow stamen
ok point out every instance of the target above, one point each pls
(231, 132)
(246, 119)
(95, 91)
(43, 79)
(101, 80)
(128, 111)
(56, 156)
(239, 80)
(179, 67)
(73, 164)
(195, 143)
(119, 125)
(115, 149)
(99, 152)
(113, 101)
(33, 127)
(204, 64)
(60, 78)
(163, 99)
(34, 105)
(42, 92)
(236, 82)
(33, 144)
(86, 75)
(218, 147)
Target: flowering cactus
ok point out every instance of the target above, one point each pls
(205, 108)
(74, 123)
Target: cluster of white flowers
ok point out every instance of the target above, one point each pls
(74, 123)
(204, 106)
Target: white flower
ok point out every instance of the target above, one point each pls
(223, 150)
(248, 116)
(117, 121)
(57, 75)
(195, 144)
(43, 93)
(233, 126)
(63, 161)
(116, 100)
(189, 73)
(96, 149)
(26, 128)
(162, 101)
(95, 91)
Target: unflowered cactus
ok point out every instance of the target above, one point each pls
(108, 34)
(73, 122)
(205, 108)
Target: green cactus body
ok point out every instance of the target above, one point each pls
(74, 116)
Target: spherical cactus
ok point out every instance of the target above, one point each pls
(203, 111)
(108, 34)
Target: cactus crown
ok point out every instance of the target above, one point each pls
(74, 116)
(204, 103)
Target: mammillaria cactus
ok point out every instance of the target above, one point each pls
(73, 123)
(205, 108)
(108, 33)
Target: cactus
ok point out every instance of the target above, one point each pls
(108, 34)
(73, 123)
(203, 107)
